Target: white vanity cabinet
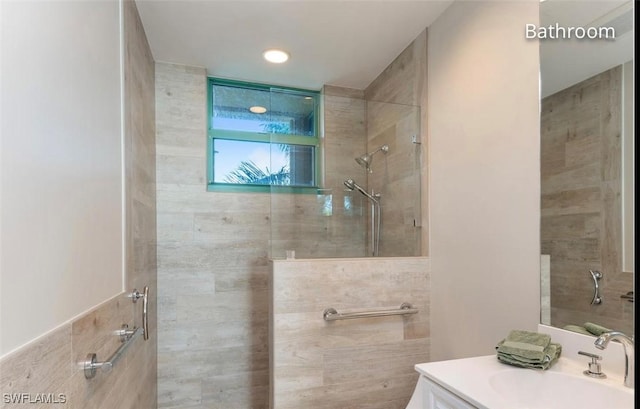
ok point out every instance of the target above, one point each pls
(437, 397)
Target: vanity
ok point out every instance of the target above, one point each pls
(484, 383)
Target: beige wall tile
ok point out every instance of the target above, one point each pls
(212, 263)
(349, 363)
(41, 367)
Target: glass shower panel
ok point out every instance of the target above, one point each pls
(396, 176)
(328, 223)
(331, 220)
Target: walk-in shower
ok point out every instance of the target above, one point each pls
(365, 160)
(376, 214)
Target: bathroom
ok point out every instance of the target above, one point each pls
(85, 221)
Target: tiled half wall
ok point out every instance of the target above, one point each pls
(356, 363)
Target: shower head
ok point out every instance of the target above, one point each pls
(365, 160)
(352, 185)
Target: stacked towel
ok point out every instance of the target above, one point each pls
(588, 328)
(595, 329)
(528, 350)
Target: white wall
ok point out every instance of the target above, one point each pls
(484, 176)
(61, 167)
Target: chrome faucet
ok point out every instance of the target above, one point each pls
(628, 346)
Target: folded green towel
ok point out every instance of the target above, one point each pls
(595, 329)
(552, 353)
(577, 328)
(525, 345)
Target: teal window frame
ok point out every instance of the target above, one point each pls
(271, 138)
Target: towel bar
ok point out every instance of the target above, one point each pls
(330, 314)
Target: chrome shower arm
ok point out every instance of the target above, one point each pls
(383, 148)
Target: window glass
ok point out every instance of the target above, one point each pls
(262, 136)
(262, 163)
(284, 113)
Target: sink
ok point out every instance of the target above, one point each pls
(485, 383)
(550, 390)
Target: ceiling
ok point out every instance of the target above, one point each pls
(567, 62)
(349, 43)
(342, 43)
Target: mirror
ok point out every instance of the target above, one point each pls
(587, 162)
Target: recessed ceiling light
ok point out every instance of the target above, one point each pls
(258, 109)
(275, 56)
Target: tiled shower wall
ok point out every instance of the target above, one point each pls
(581, 203)
(212, 264)
(213, 248)
(357, 363)
(49, 364)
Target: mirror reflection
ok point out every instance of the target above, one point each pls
(587, 169)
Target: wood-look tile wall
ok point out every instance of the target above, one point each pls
(359, 363)
(50, 364)
(581, 203)
(213, 248)
(212, 264)
(396, 112)
(141, 222)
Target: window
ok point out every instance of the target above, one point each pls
(261, 136)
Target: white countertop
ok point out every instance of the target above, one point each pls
(473, 380)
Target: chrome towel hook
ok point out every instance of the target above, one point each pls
(596, 275)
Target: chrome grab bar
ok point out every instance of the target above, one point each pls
(135, 295)
(596, 275)
(91, 365)
(127, 336)
(145, 319)
(330, 314)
